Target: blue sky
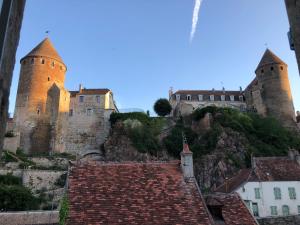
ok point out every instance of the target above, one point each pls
(141, 48)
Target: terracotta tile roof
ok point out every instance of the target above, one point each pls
(45, 48)
(207, 92)
(269, 58)
(243, 176)
(277, 169)
(229, 209)
(90, 92)
(134, 193)
(266, 169)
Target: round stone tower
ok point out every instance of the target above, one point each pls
(42, 70)
(272, 76)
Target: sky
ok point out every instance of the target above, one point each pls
(141, 48)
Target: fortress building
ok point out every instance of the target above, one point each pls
(49, 118)
(293, 11)
(269, 94)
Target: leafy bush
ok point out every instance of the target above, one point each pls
(64, 210)
(9, 179)
(142, 117)
(162, 107)
(198, 114)
(8, 157)
(17, 198)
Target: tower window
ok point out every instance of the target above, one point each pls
(43, 61)
(48, 78)
(281, 67)
(52, 64)
(32, 61)
(61, 68)
(262, 71)
(71, 112)
(24, 62)
(272, 68)
(38, 112)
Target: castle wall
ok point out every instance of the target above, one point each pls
(88, 125)
(254, 100)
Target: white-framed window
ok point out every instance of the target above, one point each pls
(292, 192)
(178, 97)
(241, 97)
(89, 112)
(274, 211)
(81, 98)
(222, 97)
(200, 97)
(211, 97)
(232, 98)
(188, 97)
(285, 210)
(277, 193)
(257, 193)
(98, 99)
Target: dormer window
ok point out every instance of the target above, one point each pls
(188, 97)
(222, 97)
(232, 98)
(81, 98)
(178, 97)
(211, 97)
(200, 97)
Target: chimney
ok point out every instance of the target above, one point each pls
(80, 88)
(187, 161)
(241, 90)
(223, 90)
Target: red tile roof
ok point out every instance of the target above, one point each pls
(134, 193)
(90, 92)
(229, 209)
(265, 169)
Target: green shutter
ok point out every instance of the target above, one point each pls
(257, 193)
(277, 193)
(274, 210)
(285, 210)
(292, 193)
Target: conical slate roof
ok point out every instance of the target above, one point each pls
(269, 58)
(46, 49)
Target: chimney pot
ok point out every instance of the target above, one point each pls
(187, 162)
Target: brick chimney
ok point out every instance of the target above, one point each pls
(80, 88)
(187, 161)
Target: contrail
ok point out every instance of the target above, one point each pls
(195, 18)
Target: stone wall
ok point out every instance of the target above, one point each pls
(29, 218)
(12, 143)
(88, 126)
(287, 220)
(9, 39)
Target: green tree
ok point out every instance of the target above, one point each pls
(162, 107)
